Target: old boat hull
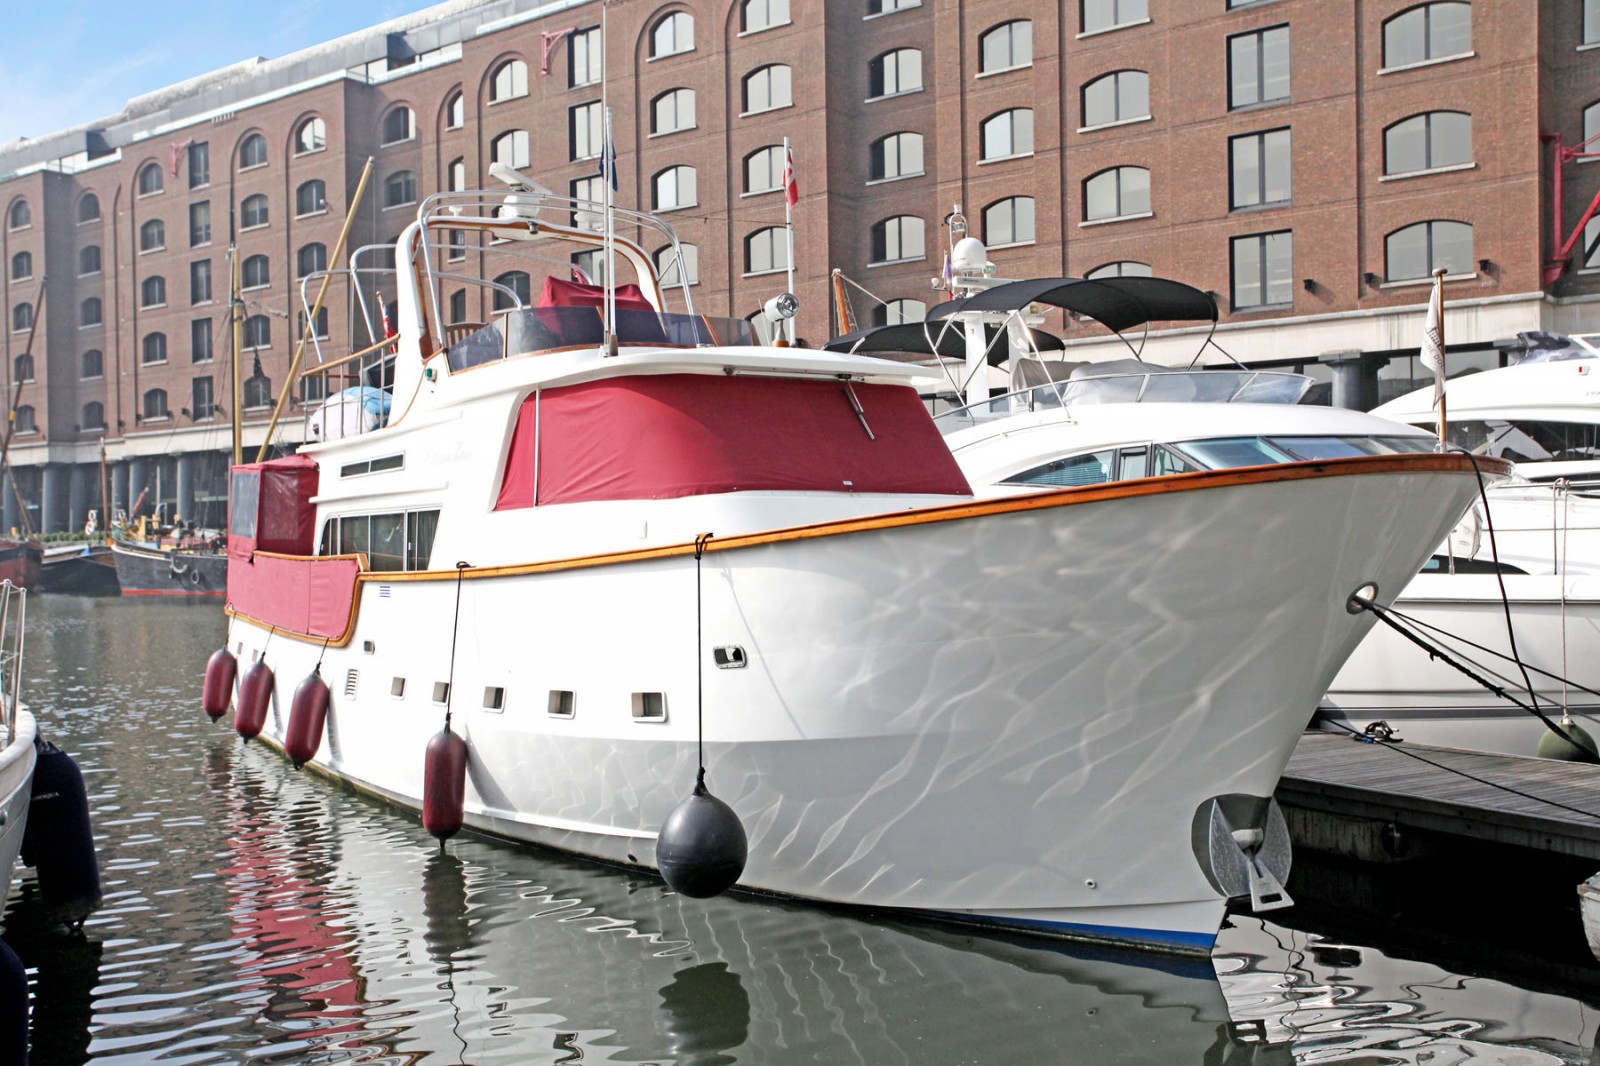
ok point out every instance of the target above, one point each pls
(20, 561)
(1004, 711)
(17, 760)
(88, 571)
(151, 572)
(1557, 627)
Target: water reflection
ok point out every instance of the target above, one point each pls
(257, 913)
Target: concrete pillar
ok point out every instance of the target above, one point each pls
(141, 479)
(78, 495)
(53, 505)
(9, 513)
(1346, 367)
(188, 465)
(119, 487)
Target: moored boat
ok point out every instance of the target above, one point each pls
(144, 569)
(79, 569)
(609, 544)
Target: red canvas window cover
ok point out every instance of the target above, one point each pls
(286, 519)
(659, 437)
(558, 293)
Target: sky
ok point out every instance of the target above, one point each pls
(67, 62)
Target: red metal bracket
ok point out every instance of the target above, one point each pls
(1563, 243)
(550, 37)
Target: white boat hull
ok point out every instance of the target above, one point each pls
(1426, 701)
(1011, 718)
(17, 760)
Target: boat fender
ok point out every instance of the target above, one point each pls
(194, 577)
(13, 1008)
(307, 716)
(221, 670)
(701, 850)
(444, 784)
(178, 569)
(1553, 746)
(255, 693)
(58, 840)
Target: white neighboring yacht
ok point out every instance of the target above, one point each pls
(1064, 712)
(18, 732)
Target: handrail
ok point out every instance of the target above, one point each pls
(13, 618)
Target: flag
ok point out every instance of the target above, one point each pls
(791, 190)
(388, 330)
(579, 276)
(1433, 337)
(948, 273)
(608, 163)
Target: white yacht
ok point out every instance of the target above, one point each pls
(18, 733)
(611, 541)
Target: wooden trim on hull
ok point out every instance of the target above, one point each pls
(1445, 462)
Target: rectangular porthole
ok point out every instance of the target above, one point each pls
(368, 647)
(397, 688)
(650, 706)
(494, 698)
(562, 703)
(441, 692)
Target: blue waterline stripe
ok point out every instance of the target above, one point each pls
(1171, 937)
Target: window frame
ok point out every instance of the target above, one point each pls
(770, 70)
(1010, 115)
(1259, 137)
(320, 188)
(511, 67)
(1264, 273)
(878, 74)
(878, 157)
(384, 140)
(1118, 20)
(1008, 27)
(1260, 37)
(322, 136)
(1117, 79)
(248, 142)
(1427, 121)
(255, 203)
(1012, 203)
(881, 234)
(1116, 173)
(778, 251)
(1427, 10)
(1429, 228)
(673, 20)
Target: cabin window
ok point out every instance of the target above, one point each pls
(395, 541)
(246, 495)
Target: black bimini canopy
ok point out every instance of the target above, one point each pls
(1116, 303)
(918, 341)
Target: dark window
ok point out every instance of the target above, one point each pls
(398, 125)
(1417, 251)
(1259, 169)
(200, 281)
(21, 266)
(24, 421)
(94, 415)
(199, 165)
(1258, 67)
(898, 155)
(518, 282)
(154, 348)
(92, 364)
(322, 323)
(200, 340)
(199, 223)
(21, 317)
(153, 291)
(253, 152)
(898, 238)
(1427, 141)
(1263, 270)
(89, 259)
(253, 212)
(152, 236)
(583, 57)
(1117, 97)
(200, 399)
(1105, 14)
(21, 215)
(149, 181)
(311, 258)
(89, 207)
(458, 306)
(1429, 31)
(257, 331)
(89, 312)
(400, 188)
(22, 367)
(255, 273)
(311, 197)
(155, 404)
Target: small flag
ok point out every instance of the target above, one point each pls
(608, 163)
(791, 189)
(579, 276)
(948, 273)
(1433, 337)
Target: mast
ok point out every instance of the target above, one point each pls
(11, 413)
(238, 345)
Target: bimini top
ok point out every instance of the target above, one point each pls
(916, 341)
(1116, 303)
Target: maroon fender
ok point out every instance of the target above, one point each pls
(255, 692)
(307, 716)
(221, 669)
(444, 784)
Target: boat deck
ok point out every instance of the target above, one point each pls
(1506, 799)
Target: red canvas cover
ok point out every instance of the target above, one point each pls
(285, 519)
(558, 293)
(311, 596)
(659, 437)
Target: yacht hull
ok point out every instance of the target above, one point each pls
(1003, 712)
(1426, 701)
(17, 760)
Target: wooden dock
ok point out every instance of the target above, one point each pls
(1341, 794)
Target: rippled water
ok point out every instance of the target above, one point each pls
(257, 914)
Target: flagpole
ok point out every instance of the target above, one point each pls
(608, 179)
(788, 226)
(1437, 313)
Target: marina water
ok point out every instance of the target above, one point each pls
(257, 914)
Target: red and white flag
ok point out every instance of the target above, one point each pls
(1433, 337)
(791, 190)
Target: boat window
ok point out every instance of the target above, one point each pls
(352, 535)
(1442, 564)
(1091, 469)
(1133, 463)
(373, 466)
(1233, 451)
(420, 528)
(1168, 461)
(242, 511)
(1528, 440)
(387, 542)
(402, 540)
(1328, 447)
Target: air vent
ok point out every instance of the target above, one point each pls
(728, 657)
(350, 679)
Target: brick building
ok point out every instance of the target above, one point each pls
(1310, 161)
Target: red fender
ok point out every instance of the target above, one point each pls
(307, 716)
(444, 784)
(255, 692)
(217, 693)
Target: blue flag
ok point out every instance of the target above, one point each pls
(608, 163)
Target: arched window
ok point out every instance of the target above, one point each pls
(1107, 14)
(899, 155)
(400, 188)
(94, 415)
(21, 266)
(256, 272)
(253, 212)
(1010, 133)
(757, 15)
(767, 88)
(258, 331)
(311, 198)
(311, 258)
(509, 82)
(21, 317)
(458, 306)
(24, 420)
(1591, 123)
(399, 124)
(675, 272)
(153, 291)
(253, 152)
(674, 188)
(1124, 269)
(89, 311)
(92, 364)
(898, 239)
(312, 136)
(1116, 193)
(672, 111)
(20, 216)
(1121, 96)
(456, 174)
(1416, 251)
(155, 405)
(257, 392)
(671, 35)
(766, 250)
(152, 236)
(896, 312)
(153, 349)
(1006, 47)
(22, 367)
(517, 281)
(89, 260)
(149, 180)
(1427, 141)
(1427, 32)
(1008, 222)
(89, 208)
(510, 148)
(455, 111)
(322, 323)
(763, 169)
(895, 72)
